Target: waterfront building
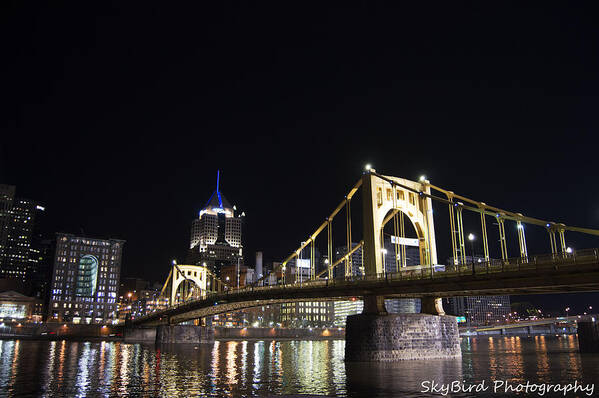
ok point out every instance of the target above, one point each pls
(480, 310)
(216, 234)
(264, 316)
(15, 306)
(307, 314)
(145, 302)
(345, 308)
(85, 280)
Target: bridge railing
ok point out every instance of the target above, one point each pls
(536, 263)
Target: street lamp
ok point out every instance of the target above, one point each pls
(384, 251)
(569, 250)
(238, 258)
(472, 238)
(567, 310)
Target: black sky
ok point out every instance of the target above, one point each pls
(117, 116)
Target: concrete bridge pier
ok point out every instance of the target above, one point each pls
(140, 335)
(184, 334)
(377, 336)
(169, 334)
(588, 336)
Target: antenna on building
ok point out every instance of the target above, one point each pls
(220, 201)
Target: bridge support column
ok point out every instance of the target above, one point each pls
(140, 335)
(374, 305)
(376, 336)
(588, 336)
(432, 305)
(184, 334)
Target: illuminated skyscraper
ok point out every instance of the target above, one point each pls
(216, 234)
(19, 255)
(85, 281)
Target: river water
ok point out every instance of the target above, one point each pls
(271, 368)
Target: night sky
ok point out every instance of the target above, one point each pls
(117, 116)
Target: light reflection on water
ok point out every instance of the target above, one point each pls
(249, 368)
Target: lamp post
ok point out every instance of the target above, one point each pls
(238, 258)
(471, 238)
(384, 251)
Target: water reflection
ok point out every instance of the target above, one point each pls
(262, 368)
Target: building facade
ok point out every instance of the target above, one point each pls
(345, 308)
(216, 234)
(85, 281)
(307, 314)
(480, 310)
(15, 306)
(19, 254)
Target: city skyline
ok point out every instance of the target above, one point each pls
(509, 130)
(285, 199)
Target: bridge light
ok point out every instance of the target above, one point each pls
(422, 178)
(174, 262)
(569, 250)
(471, 237)
(368, 167)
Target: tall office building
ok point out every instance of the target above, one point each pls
(85, 281)
(345, 308)
(480, 310)
(19, 255)
(216, 234)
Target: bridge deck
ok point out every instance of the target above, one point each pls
(549, 274)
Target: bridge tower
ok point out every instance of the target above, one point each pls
(186, 282)
(375, 335)
(384, 198)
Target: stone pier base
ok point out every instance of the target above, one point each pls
(588, 336)
(184, 334)
(396, 337)
(140, 335)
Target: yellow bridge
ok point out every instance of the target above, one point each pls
(386, 203)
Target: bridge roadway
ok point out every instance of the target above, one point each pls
(536, 322)
(563, 273)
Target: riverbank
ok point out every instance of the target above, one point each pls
(79, 332)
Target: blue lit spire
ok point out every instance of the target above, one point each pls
(217, 201)
(220, 201)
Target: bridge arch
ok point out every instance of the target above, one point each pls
(185, 277)
(399, 232)
(383, 198)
